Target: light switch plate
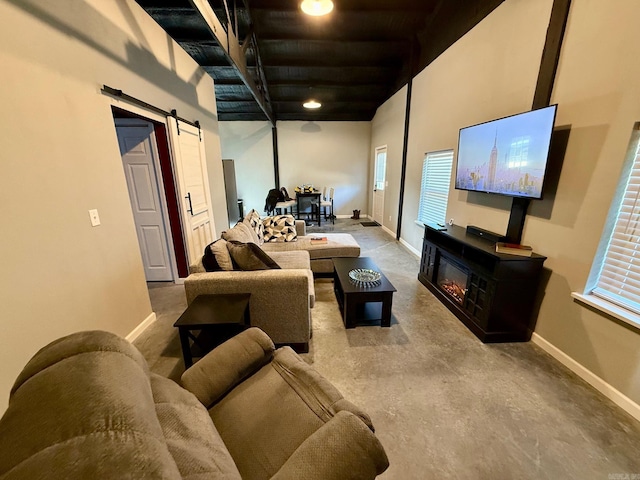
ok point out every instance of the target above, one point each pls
(95, 218)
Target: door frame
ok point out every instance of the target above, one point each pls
(375, 170)
(174, 243)
(153, 141)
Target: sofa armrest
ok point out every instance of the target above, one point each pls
(286, 283)
(344, 448)
(227, 365)
(270, 290)
(301, 228)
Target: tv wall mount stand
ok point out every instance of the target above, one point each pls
(519, 207)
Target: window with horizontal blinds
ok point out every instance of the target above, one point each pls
(619, 278)
(434, 189)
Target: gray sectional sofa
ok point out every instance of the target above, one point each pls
(338, 245)
(87, 407)
(281, 299)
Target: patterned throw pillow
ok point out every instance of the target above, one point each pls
(280, 228)
(253, 218)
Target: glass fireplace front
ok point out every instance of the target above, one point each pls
(452, 279)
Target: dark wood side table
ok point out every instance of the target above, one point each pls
(211, 320)
(361, 304)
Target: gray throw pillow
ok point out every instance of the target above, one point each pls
(216, 257)
(239, 233)
(249, 256)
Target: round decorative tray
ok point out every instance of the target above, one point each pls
(365, 277)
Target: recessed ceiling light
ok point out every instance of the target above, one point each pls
(311, 104)
(316, 8)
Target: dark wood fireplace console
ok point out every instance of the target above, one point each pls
(493, 294)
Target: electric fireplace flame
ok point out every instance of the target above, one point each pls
(454, 290)
(452, 280)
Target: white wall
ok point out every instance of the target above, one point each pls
(60, 158)
(332, 154)
(250, 146)
(327, 153)
(387, 129)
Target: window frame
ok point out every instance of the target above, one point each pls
(590, 294)
(423, 216)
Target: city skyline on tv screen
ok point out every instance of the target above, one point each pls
(507, 156)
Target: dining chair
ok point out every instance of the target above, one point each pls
(327, 204)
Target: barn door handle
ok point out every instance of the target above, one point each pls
(190, 208)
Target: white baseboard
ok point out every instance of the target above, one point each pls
(613, 394)
(362, 217)
(410, 248)
(390, 232)
(136, 332)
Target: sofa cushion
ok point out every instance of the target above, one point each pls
(249, 256)
(298, 259)
(280, 228)
(255, 222)
(286, 388)
(241, 232)
(80, 403)
(338, 245)
(358, 454)
(216, 257)
(191, 437)
(227, 365)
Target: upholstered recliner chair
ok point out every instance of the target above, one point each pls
(87, 407)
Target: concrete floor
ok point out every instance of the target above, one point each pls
(444, 405)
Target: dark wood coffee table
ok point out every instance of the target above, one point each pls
(211, 320)
(361, 305)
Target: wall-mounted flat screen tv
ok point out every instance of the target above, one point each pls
(507, 156)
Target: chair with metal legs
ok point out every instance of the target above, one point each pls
(327, 204)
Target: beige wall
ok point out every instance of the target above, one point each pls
(332, 154)
(492, 72)
(60, 158)
(598, 95)
(489, 73)
(387, 129)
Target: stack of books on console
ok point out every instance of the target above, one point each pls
(514, 249)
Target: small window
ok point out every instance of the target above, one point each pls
(381, 167)
(434, 190)
(616, 270)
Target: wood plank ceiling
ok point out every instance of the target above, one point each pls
(351, 60)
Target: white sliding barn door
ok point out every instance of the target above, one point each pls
(138, 149)
(193, 187)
